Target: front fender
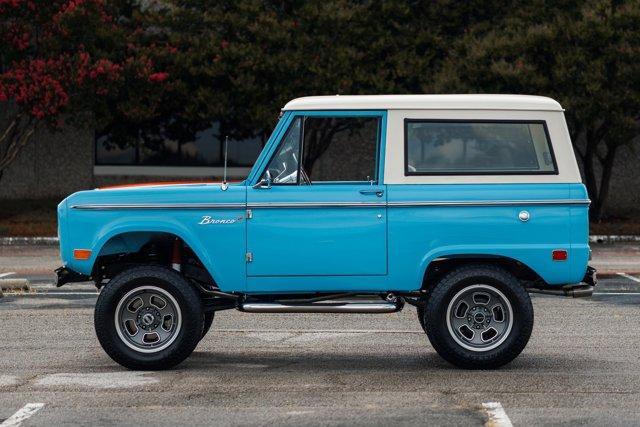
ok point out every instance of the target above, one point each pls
(96, 217)
(146, 224)
(121, 226)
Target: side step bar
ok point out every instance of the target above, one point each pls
(323, 307)
(584, 291)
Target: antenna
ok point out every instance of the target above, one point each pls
(224, 185)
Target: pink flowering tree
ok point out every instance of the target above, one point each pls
(65, 61)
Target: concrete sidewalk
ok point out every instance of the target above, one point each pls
(616, 258)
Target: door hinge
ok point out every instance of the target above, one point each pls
(249, 214)
(248, 257)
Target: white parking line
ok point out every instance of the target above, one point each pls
(616, 293)
(64, 293)
(496, 416)
(628, 276)
(7, 274)
(25, 412)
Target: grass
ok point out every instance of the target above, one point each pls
(616, 226)
(38, 218)
(28, 217)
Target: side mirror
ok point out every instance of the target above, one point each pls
(264, 183)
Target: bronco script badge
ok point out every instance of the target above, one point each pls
(206, 220)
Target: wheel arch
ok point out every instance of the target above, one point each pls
(129, 239)
(438, 267)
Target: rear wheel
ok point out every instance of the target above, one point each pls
(478, 317)
(148, 317)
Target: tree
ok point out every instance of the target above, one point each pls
(66, 61)
(153, 70)
(584, 54)
(239, 62)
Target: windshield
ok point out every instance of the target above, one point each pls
(283, 168)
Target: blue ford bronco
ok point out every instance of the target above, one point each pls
(458, 205)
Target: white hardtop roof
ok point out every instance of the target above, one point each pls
(425, 102)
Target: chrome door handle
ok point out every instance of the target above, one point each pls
(378, 193)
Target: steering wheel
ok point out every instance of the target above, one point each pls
(304, 176)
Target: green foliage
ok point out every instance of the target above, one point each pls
(583, 54)
(186, 63)
(74, 62)
(240, 61)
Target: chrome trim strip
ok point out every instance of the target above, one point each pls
(144, 206)
(293, 205)
(491, 203)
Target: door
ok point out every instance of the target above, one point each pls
(325, 215)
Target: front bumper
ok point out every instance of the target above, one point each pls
(64, 276)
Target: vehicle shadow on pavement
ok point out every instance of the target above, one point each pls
(430, 361)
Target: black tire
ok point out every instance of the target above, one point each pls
(208, 320)
(184, 338)
(420, 311)
(461, 280)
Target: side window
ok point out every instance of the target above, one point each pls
(334, 149)
(338, 149)
(283, 167)
(477, 148)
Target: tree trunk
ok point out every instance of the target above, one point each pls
(13, 140)
(605, 181)
(591, 181)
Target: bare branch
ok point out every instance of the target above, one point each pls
(13, 124)
(17, 147)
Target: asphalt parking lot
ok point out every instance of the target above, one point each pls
(582, 365)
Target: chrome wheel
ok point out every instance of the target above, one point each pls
(479, 318)
(148, 319)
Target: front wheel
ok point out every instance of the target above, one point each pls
(208, 321)
(478, 317)
(420, 312)
(148, 317)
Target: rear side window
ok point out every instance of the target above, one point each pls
(448, 147)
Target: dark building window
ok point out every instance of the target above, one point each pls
(174, 147)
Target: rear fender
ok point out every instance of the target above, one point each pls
(536, 257)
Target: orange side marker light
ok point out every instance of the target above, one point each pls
(81, 254)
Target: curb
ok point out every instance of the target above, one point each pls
(613, 238)
(12, 285)
(17, 241)
(53, 241)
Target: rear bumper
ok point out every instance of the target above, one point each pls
(583, 289)
(590, 277)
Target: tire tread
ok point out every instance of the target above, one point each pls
(178, 351)
(438, 333)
